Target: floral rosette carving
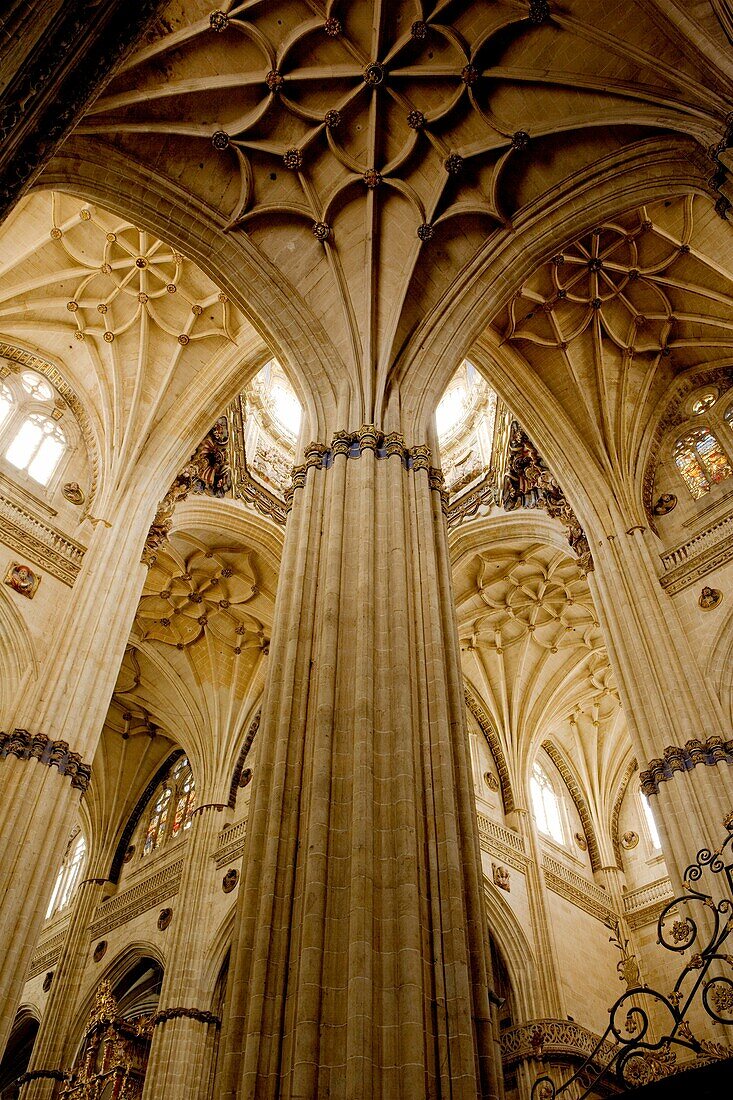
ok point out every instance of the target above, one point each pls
(213, 592)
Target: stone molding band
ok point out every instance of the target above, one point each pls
(354, 444)
(711, 752)
(200, 1015)
(40, 1075)
(209, 806)
(36, 746)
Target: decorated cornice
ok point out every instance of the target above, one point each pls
(355, 444)
(528, 483)
(56, 754)
(46, 546)
(711, 752)
(694, 559)
(199, 1015)
(250, 492)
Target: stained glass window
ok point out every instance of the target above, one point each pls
(156, 825)
(173, 807)
(701, 461)
(729, 416)
(704, 402)
(546, 805)
(185, 805)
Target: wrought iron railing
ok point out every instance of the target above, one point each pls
(695, 922)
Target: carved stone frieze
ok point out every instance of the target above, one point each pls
(200, 1015)
(207, 471)
(550, 1037)
(528, 483)
(660, 770)
(36, 746)
(368, 438)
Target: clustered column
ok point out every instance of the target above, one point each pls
(53, 730)
(185, 1029)
(360, 961)
(674, 718)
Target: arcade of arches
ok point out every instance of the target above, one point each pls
(366, 522)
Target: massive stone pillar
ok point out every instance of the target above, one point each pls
(674, 717)
(50, 1057)
(53, 732)
(360, 966)
(185, 1032)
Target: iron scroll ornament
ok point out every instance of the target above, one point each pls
(637, 1057)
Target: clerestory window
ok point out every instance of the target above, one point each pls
(172, 807)
(68, 876)
(546, 805)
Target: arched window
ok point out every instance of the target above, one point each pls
(156, 824)
(172, 807)
(37, 447)
(705, 401)
(68, 876)
(6, 402)
(651, 823)
(701, 461)
(546, 805)
(186, 796)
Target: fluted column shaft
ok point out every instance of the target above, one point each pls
(360, 964)
(183, 1046)
(666, 698)
(50, 1048)
(54, 728)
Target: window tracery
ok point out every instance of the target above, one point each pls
(68, 875)
(704, 402)
(546, 804)
(701, 461)
(31, 439)
(172, 807)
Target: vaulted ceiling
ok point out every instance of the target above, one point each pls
(370, 151)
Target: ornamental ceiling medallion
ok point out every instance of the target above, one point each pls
(370, 149)
(192, 590)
